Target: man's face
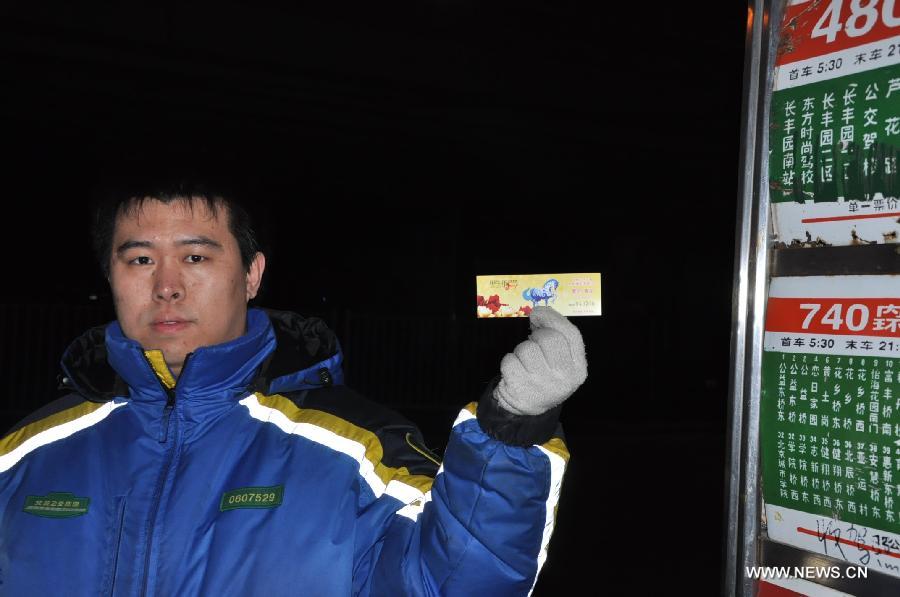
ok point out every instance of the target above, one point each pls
(177, 278)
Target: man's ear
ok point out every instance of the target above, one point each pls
(254, 276)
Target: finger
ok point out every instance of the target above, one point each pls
(548, 318)
(532, 358)
(554, 347)
(513, 372)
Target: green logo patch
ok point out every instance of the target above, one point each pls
(56, 505)
(252, 497)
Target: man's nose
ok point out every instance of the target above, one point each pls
(168, 285)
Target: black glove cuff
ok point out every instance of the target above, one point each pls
(513, 429)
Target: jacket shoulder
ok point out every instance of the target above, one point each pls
(51, 411)
(52, 423)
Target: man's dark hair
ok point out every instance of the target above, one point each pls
(122, 194)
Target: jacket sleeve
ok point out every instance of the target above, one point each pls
(483, 525)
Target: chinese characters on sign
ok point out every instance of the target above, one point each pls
(833, 143)
(836, 421)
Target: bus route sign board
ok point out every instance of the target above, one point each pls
(835, 123)
(830, 417)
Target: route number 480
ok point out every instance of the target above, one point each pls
(863, 16)
(856, 318)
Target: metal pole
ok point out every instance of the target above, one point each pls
(748, 299)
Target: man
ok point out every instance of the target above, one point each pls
(208, 449)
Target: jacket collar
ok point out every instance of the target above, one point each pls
(103, 363)
(225, 368)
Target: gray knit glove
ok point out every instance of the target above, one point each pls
(545, 369)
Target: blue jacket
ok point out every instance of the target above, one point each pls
(259, 473)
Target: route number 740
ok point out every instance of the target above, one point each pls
(855, 319)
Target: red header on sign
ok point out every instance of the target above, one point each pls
(834, 316)
(817, 28)
(769, 590)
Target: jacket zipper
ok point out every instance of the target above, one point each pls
(167, 415)
(161, 482)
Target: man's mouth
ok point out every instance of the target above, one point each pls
(170, 325)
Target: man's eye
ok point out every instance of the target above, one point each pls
(142, 260)
(195, 258)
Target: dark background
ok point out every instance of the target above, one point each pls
(399, 149)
